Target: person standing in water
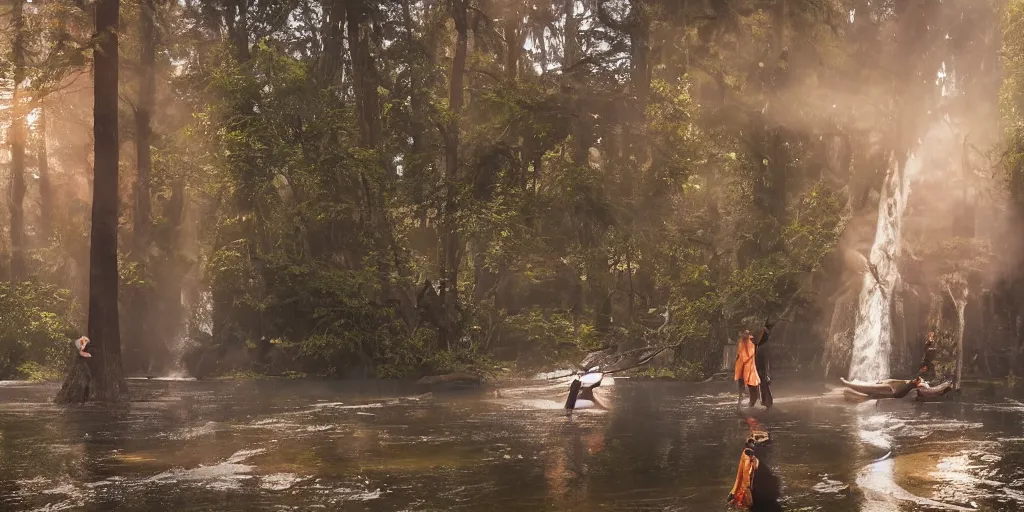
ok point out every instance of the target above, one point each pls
(927, 370)
(746, 369)
(763, 365)
(749, 364)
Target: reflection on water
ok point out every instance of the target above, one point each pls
(291, 445)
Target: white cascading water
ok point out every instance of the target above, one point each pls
(204, 323)
(873, 332)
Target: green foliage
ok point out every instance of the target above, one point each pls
(35, 372)
(658, 373)
(549, 336)
(36, 330)
(242, 375)
(577, 204)
(687, 371)
(1012, 96)
(302, 178)
(815, 228)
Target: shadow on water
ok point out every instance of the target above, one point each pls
(294, 445)
(767, 489)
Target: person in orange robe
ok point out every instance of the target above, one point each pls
(746, 368)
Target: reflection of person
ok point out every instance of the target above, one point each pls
(765, 488)
(927, 370)
(756, 487)
(80, 344)
(742, 494)
(565, 469)
(746, 368)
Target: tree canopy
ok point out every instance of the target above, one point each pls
(345, 187)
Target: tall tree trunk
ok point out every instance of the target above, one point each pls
(45, 185)
(330, 64)
(18, 138)
(629, 280)
(246, 195)
(368, 105)
(414, 166)
(107, 379)
(572, 27)
(640, 55)
(959, 297)
(450, 257)
(237, 21)
(364, 79)
(365, 89)
(167, 316)
(513, 42)
(143, 129)
(1015, 343)
(145, 350)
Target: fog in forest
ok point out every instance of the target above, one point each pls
(399, 189)
(511, 255)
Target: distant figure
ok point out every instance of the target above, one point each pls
(927, 370)
(746, 367)
(80, 343)
(581, 390)
(764, 365)
(905, 389)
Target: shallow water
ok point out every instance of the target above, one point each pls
(294, 445)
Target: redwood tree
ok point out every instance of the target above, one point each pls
(17, 137)
(102, 379)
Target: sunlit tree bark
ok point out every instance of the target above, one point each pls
(451, 254)
(104, 379)
(18, 139)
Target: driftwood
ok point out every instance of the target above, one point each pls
(637, 357)
(855, 396)
(451, 381)
(933, 393)
(620, 362)
(892, 388)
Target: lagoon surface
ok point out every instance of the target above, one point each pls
(379, 446)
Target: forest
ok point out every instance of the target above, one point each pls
(397, 188)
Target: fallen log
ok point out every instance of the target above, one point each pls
(450, 381)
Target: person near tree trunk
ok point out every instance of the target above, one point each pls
(927, 369)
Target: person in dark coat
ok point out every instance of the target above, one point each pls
(763, 364)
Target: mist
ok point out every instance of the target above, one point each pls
(352, 190)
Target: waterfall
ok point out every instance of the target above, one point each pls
(178, 349)
(197, 323)
(872, 335)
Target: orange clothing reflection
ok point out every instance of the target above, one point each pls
(565, 468)
(742, 490)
